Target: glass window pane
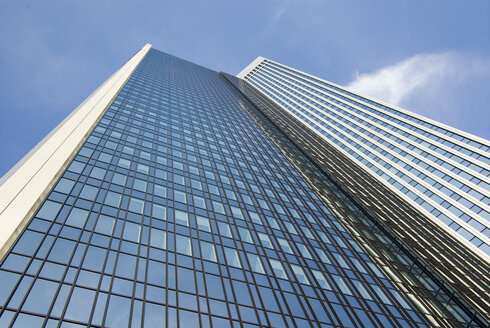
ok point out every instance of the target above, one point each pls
(232, 257)
(49, 210)
(188, 319)
(179, 179)
(300, 274)
(341, 261)
(94, 259)
(224, 229)
(160, 191)
(119, 179)
(28, 242)
(40, 296)
(27, 320)
(158, 238)
(203, 223)
(285, 245)
(154, 315)
(98, 173)
(89, 192)
(159, 212)
(180, 196)
(128, 150)
(136, 205)
(255, 217)
(343, 287)
(113, 199)
(64, 185)
(289, 227)
(118, 311)
(161, 160)
(181, 218)
(382, 295)
(124, 163)
(237, 212)
(61, 251)
(125, 265)
(207, 251)
(360, 288)
(77, 217)
(218, 207)
(196, 184)
(76, 167)
(142, 168)
(324, 257)
(230, 194)
(80, 305)
(321, 279)
(156, 273)
(199, 202)
(278, 269)
(307, 232)
(255, 263)
(304, 251)
(245, 235)
(139, 185)
(132, 231)
(14, 262)
(265, 240)
(105, 224)
(178, 165)
(183, 245)
(213, 189)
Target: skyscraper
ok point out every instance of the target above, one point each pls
(439, 170)
(179, 196)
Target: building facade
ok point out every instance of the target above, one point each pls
(177, 196)
(442, 171)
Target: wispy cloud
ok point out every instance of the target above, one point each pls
(277, 13)
(418, 75)
(280, 10)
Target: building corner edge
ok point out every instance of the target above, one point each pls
(24, 187)
(256, 62)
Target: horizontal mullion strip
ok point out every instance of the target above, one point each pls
(402, 182)
(428, 140)
(419, 157)
(345, 93)
(419, 117)
(405, 129)
(418, 236)
(400, 168)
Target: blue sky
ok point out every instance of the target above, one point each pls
(430, 57)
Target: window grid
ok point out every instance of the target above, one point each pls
(167, 128)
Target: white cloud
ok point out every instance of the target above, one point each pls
(280, 10)
(450, 87)
(399, 83)
(277, 13)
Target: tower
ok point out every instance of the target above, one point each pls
(441, 171)
(179, 196)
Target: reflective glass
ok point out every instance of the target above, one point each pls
(172, 212)
(77, 217)
(232, 257)
(207, 251)
(183, 245)
(132, 231)
(181, 217)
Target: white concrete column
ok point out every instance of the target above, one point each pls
(26, 185)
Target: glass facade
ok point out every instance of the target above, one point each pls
(187, 207)
(445, 173)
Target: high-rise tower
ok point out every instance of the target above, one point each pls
(179, 196)
(441, 171)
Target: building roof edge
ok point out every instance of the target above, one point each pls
(250, 67)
